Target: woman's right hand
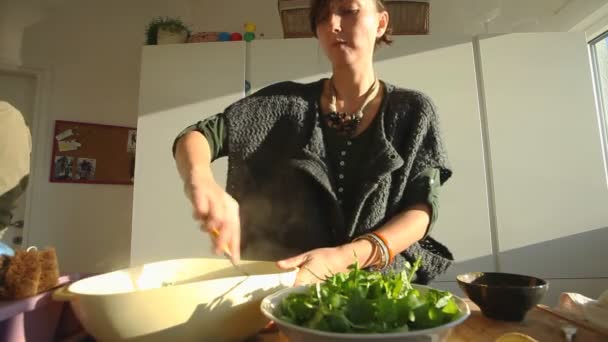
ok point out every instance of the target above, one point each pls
(214, 208)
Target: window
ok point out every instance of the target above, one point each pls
(599, 59)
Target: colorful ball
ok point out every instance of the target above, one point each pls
(249, 36)
(223, 37)
(250, 27)
(236, 36)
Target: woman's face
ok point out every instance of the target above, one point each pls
(349, 29)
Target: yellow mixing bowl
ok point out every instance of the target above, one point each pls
(201, 299)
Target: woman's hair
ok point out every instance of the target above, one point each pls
(319, 10)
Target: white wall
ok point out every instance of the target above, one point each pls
(92, 50)
(595, 24)
(546, 153)
(15, 16)
(18, 89)
(468, 16)
(550, 183)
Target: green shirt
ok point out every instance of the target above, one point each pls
(346, 155)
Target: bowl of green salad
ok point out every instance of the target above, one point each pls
(367, 306)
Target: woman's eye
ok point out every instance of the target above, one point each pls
(348, 11)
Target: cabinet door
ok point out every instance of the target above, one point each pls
(443, 67)
(272, 61)
(547, 161)
(180, 84)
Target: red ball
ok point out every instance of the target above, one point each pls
(236, 36)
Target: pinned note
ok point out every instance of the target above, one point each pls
(71, 145)
(65, 134)
(65, 146)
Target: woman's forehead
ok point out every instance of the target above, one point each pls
(336, 3)
(325, 7)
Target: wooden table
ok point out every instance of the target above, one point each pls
(539, 324)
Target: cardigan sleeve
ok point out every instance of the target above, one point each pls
(431, 152)
(430, 168)
(214, 130)
(424, 189)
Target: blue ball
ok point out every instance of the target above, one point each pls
(247, 86)
(224, 37)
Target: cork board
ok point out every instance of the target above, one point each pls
(92, 153)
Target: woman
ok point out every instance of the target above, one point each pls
(323, 173)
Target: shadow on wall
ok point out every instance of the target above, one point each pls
(576, 263)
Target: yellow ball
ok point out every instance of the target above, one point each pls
(249, 27)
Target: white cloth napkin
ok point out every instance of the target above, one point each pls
(582, 307)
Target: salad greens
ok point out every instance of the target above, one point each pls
(363, 301)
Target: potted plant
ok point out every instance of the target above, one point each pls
(165, 30)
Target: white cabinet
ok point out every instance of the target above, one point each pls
(544, 139)
(180, 84)
(271, 61)
(444, 68)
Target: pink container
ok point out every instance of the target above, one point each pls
(39, 318)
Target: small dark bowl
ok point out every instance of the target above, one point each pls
(503, 296)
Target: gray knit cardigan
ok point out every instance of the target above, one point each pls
(278, 171)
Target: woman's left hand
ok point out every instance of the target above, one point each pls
(318, 264)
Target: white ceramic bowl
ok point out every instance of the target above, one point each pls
(297, 333)
(176, 300)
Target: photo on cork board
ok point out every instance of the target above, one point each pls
(62, 167)
(86, 168)
(131, 141)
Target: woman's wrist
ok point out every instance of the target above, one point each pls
(363, 251)
(200, 172)
(197, 178)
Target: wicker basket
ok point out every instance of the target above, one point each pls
(294, 17)
(407, 17)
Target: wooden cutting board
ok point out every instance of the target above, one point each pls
(539, 324)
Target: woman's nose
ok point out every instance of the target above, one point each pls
(335, 23)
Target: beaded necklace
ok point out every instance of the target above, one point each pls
(346, 123)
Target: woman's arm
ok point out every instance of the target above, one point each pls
(193, 156)
(400, 232)
(211, 205)
(410, 225)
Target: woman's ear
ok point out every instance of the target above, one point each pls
(382, 23)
